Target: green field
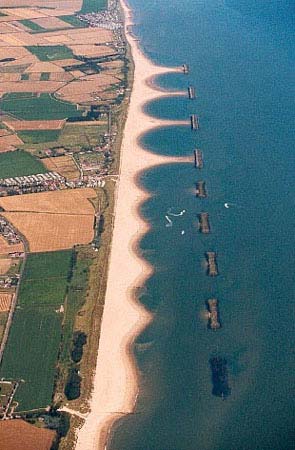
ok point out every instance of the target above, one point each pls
(44, 292)
(71, 136)
(39, 136)
(31, 354)
(45, 279)
(32, 25)
(73, 20)
(50, 52)
(28, 106)
(93, 6)
(44, 76)
(47, 265)
(19, 163)
(34, 340)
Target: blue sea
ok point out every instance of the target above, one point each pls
(241, 59)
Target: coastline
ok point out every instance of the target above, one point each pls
(115, 384)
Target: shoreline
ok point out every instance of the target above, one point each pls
(115, 386)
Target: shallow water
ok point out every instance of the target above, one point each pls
(241, 64)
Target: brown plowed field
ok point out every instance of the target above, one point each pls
(23, 13)
(87, 85)
(91, 51)
(5, 302)
(44, 67)
(19, 435)
(31, 86)
(67, 62)
(20, 125)
(6, 248)
(16, 52)
(72, 201)
(64, 165)
(9, 77)
(6, 28)
(8, 143)
(72, 5)
(61, 76)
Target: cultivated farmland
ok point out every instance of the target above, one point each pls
(5, 301)
(29, 106)
(64, 165)
(50, 52)
(19, 163)
(5, 248)
(72, 202)
(39, 136)
(45, 232)
(18, 434)
(93, 6)
(37, 327)
(31, 354)
(5, 264)
(54, 220)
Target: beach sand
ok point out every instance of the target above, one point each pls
(116, 380)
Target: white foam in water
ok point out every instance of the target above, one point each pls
(176, 214)
(170, 223)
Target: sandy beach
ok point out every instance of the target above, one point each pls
(116, 383)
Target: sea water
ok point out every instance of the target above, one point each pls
(241, 56)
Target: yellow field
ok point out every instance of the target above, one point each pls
(49, 232)
(5, 264)
(52, 220)
(5, 301)
(74, 201)
(6, 248)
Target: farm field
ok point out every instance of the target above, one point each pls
(53, 220)
(64, 165)
(46, 232)
(5, 301)
(50, 52)
(6, 248)
(37, 326)
(3, 319)
(29, 125)
(93, 6)
(19, 163)
(45, 279)
(31, 25)
(18, 434)
(31, 354)
(38, 136)
(47, 265)
(5, 264)
(29, 106)
(57, 202)
(74, 135)
(71, 5)
(9, 142)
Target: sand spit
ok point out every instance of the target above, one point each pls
(115, 384)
